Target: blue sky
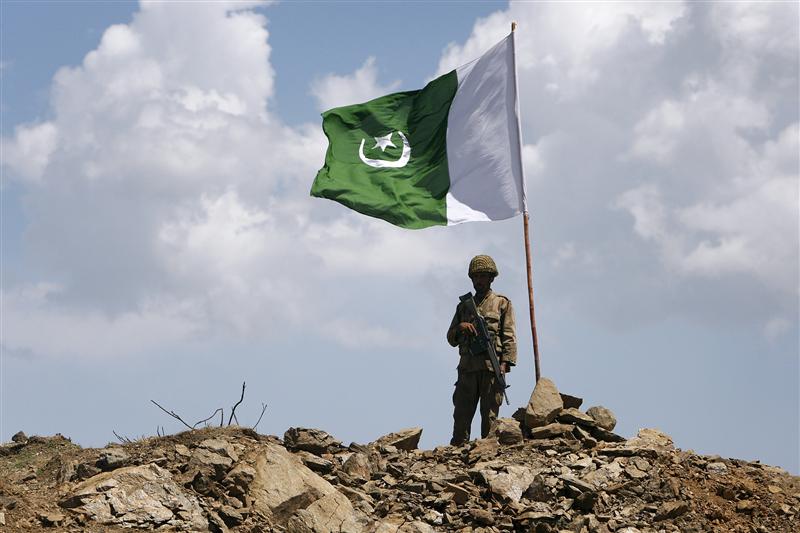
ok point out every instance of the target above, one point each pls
(159, 241)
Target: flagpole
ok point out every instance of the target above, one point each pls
(526, 223)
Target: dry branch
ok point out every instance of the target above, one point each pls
(263, 408)
(173, 415)
(233, 410)
(209, 418)
(124, 440)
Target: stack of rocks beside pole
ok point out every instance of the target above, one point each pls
(555, 419)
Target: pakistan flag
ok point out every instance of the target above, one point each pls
(442, 155)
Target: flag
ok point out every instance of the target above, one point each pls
(442, 155)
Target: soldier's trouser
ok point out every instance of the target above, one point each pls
(471, 388)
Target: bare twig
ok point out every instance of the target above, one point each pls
(221, 418)
(173, 415)
(209, 418)
(263, 408)
(233, 410)
(120, 438)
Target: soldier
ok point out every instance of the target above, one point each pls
(476, 379)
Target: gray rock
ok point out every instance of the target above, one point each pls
(544, 405)
(717, 468)
(538, 490)
(182, 450)
(292, 496)
(315, 441)
(651, 438)
(585, 437)
(357, 466)
(482, 516)
(634, 473)
(50, 519)
(315, 463)
(136, 496)
(574, 416)
(585, 501)
(406, 439)
(460, 494)
(19, 436)
(604, 417)
(571, 402)
(112, 458)
(507, 431)
(85, 471)
(605, 435)
(551, 430)
(66, 471)
(668, 510)
(581, 485)
(511, 484)
(221, 447)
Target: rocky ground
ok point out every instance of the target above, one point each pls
(552, 468)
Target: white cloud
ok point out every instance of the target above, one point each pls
(566, 38)
(335, 90)
(28, 153)
(757, 27)
(361, 335)
(747, 229)
(30, 310)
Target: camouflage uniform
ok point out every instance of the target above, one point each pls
(476, 380)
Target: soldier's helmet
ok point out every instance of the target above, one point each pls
(482, 263)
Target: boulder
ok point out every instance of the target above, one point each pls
(315, 441)
(358, 467)
(544, 405)
(572, 415)
(19, 436)
(571, 402)
(507, 431)
(221, 447)
(315, 463)
(717, 467)
(511, 484)
(294, 497)
(136, 496)
(112, 458)
(653, 436)
(604, 417)
(406, 439)
(86, 470)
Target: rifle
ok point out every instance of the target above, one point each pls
(483, 342)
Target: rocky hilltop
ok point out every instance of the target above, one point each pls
(552, 468)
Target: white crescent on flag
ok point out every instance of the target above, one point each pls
(381, 163)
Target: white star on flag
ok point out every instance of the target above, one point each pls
(384, 141)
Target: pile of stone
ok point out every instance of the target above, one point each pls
(552, 415)
(552, 468)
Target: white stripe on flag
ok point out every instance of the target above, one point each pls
(483, 140)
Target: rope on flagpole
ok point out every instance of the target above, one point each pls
(526, 227)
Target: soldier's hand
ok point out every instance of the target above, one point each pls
(504, 367)
(467, 328)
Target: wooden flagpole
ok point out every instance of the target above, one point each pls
(526, 226)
